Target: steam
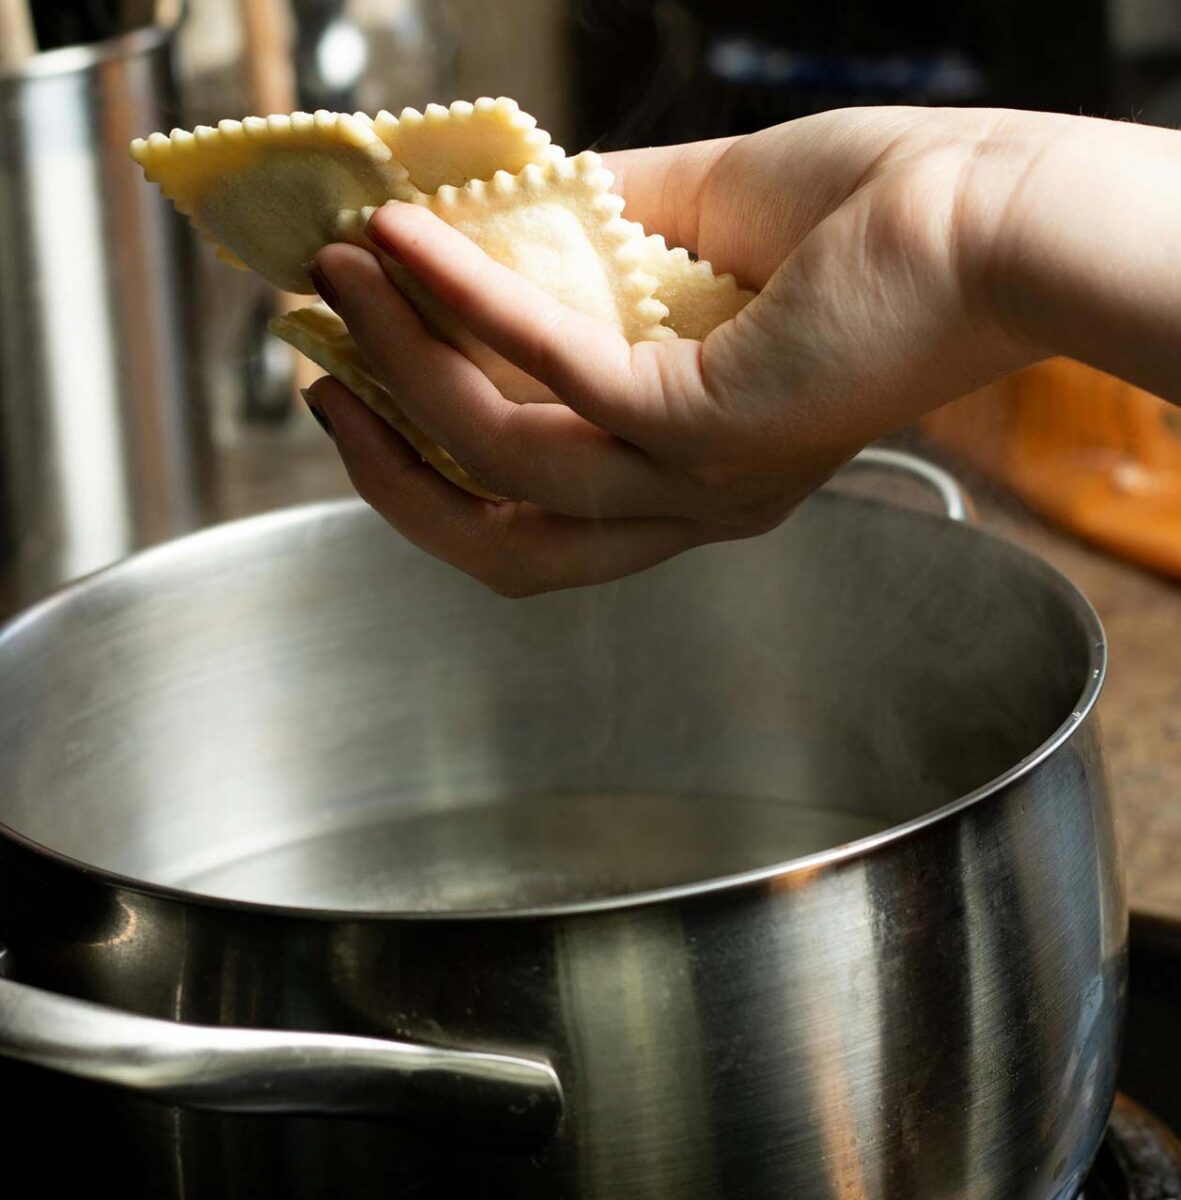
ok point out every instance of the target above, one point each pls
(674, 35)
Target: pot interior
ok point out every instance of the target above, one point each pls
(304, 710)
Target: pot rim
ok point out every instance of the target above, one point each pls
(807, 864)
(76, 60)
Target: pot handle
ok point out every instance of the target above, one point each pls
(956, 502)
(275, 1071)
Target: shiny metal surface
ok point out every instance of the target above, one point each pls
(928, 1011)
(102, 429)
(260, 1070)
(956, 501)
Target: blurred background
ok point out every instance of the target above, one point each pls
(141, 397)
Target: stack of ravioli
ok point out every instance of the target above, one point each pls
(269, 192)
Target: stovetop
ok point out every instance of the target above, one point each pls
(1141, 1154)
(1140, 1158)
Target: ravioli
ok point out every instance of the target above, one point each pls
(697, 299)
(464, 142)
(558, 225)
(270, 192)
(266, 191)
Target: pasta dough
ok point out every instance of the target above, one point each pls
(266, 191)
(270, 192)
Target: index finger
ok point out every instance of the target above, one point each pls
(588, 364)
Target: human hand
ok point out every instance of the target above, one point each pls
(882, 241)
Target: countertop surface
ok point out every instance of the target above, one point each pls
(1140, 710)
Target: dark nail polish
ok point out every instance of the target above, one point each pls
(383, 243)
(323, 287)
(321, 420)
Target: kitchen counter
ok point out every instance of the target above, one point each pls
(1140, 709)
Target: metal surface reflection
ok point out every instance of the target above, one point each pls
(931, 1011)
(102, 423)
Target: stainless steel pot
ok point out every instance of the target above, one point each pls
(785, 869)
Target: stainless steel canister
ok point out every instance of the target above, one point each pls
(102, 426)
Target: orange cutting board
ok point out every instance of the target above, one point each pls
(1084, 449)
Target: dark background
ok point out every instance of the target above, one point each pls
(661, 71)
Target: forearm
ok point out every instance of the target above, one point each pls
(1087, 257)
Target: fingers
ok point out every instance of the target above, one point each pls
(587, 364)
(543, 453)
(515, 549)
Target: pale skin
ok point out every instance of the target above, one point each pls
(903, 258)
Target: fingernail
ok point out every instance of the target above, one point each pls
(320, 282)
(324, 423)
(382, 242)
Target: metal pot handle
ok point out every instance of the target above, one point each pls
(275, 1071)
(956, 502)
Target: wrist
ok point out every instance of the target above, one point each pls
(1001, 211)
(1083, 254)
